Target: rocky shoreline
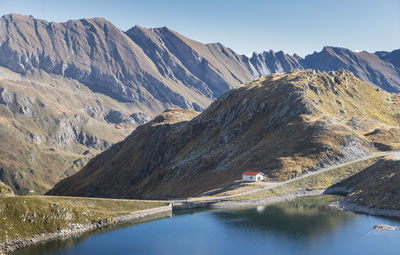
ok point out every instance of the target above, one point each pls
(267, 200)
(76, 229)
(346, 206)
(341, 205)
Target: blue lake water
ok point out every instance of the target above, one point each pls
(301, 226)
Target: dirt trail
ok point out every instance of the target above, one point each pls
(271, 185)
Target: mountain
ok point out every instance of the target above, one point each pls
(283, 125)
(271, 62)
(211, 69)
(392, 57)
(108, 60)
(70, 90)
(159, 66)
(50, 126)
(382, 70)
(83, 85)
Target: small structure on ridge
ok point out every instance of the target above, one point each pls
(253, 176)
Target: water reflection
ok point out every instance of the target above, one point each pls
(54, 246)
(260, 208)
(304, 217)
(302, 227)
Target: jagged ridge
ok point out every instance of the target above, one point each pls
(160, 66)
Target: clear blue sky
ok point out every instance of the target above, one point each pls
(243, 25)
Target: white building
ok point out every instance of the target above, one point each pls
(253, 176)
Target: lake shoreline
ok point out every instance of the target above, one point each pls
(12, 245)
(76, 229)
(266, 200)
(232, 204)
(340, 205)
(346, 206)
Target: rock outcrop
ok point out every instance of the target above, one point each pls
(5, 190)
(283, 125)
(385, 227)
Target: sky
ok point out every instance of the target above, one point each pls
(246, 26)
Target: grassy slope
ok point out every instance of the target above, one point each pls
(31, 215)
(377, 186)
(5, 190)
(284, 125)
(34, 152)
(317, 181)
(373, 183)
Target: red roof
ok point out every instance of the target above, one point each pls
(250, 173)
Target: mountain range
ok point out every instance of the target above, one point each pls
(284, 125)
(70, 90)
(159, 66)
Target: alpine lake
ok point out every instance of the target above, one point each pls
(300, 226)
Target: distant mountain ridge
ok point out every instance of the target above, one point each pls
(160, 66)
(82, 85)
(381, 69)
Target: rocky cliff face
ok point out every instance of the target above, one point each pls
(85, 50)
(284, 125)
(50, 126)
(271, 62)
(158, 67)
(210, 69)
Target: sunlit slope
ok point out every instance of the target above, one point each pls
(284, 125)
